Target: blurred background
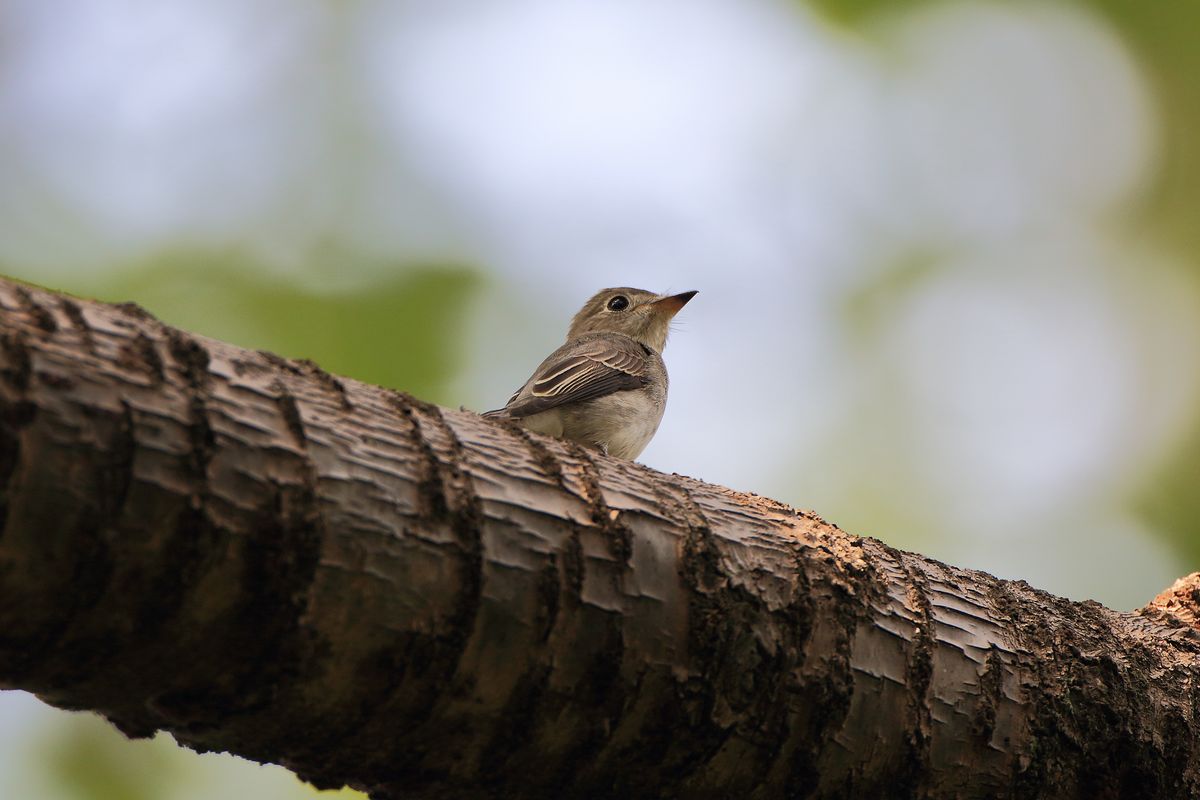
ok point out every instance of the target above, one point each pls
(947, 250)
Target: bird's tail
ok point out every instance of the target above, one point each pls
(499, 413)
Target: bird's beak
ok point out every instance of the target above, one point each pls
(671, 304)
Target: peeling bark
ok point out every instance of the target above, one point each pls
(262, 558)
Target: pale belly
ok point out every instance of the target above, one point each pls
(622, 423)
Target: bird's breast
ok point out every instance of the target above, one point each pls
(623, 422)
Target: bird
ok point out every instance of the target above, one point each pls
(607, 386)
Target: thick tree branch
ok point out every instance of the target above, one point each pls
(262, 558)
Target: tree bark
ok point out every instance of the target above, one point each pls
(263, 558)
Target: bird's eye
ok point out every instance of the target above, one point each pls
(618, 303)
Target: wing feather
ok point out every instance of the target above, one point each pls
(582, 371)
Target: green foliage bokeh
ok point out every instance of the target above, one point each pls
(404, 331)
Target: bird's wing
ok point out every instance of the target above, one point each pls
(580, 371)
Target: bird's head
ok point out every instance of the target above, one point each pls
(641, 315)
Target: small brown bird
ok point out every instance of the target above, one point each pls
(607, 386)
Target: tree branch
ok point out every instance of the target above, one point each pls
(263, 558)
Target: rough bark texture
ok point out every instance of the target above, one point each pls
(262, 558)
